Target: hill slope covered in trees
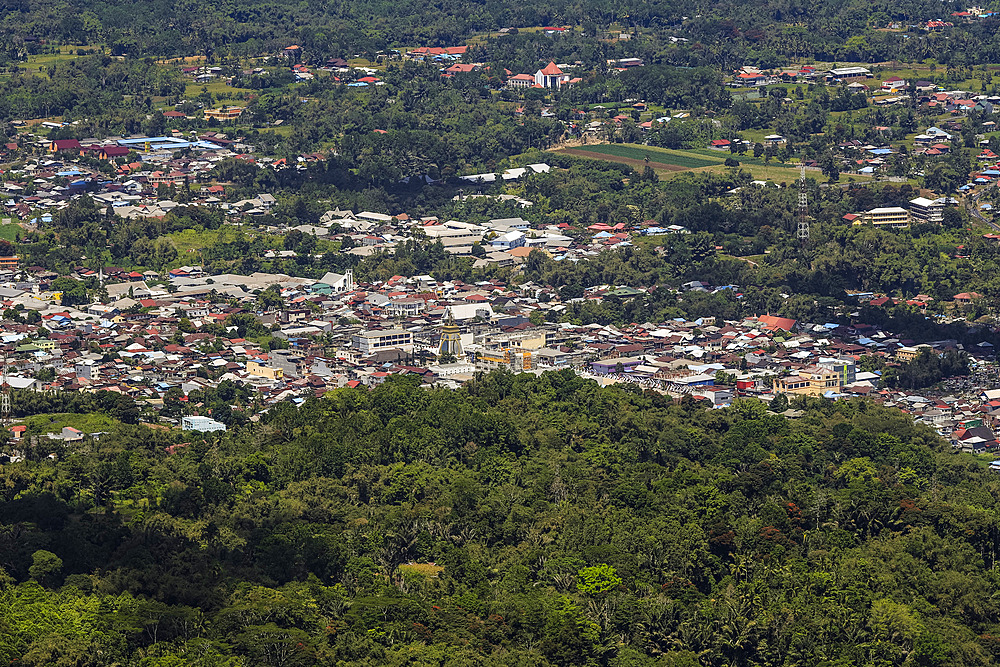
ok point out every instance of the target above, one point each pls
(520, 520)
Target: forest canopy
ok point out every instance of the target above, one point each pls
(520, 520)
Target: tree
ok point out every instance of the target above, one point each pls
(74, 293)
(952, 218)
(45, 567)
(597, 580)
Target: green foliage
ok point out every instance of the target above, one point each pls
(555, 522)
(927, 369)
(598, 580)
(45, 566)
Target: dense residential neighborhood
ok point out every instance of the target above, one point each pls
(384, 333)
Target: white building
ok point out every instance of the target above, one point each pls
(338, 282)
(551, 76)
(927, 210)
(203, 424)
(370, 342)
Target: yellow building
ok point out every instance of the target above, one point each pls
(524, 340)
(894, 217)
(812, 381)
(258, 369)
(515, 360)
(907, 354)
(225, 113)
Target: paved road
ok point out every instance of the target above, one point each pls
(974, 208)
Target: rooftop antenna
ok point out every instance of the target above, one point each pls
(803, 232)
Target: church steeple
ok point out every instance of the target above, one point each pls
(451, 337)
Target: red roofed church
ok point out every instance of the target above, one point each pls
(551, 76)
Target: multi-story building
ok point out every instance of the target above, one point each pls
(225, 113)
(895, 217)
(258, 369)
(907, 354)
(926, 210)
(369, 342)
(844, 366)
(812, 381)
(551, 76)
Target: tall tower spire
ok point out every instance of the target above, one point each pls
(451, 337)
(803, 232)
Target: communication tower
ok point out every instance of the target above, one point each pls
(803, 232)
(5, 408)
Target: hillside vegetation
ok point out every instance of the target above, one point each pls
(521, 520)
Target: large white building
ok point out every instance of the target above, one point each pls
(204, 424)
(927, 210)
(551, 76)
(370, 342)
(338, 282)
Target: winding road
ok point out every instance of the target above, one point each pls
(974, 207)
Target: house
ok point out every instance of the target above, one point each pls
(459, 68)
(893, 84)
(720, 144)
(966, 297)
(750, 79)
(773, 323)
(938, 134)
(70, 434)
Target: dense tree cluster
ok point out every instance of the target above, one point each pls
(523, 519)
(927, 369)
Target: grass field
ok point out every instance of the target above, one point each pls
(53, 423)
(193, 240)
(10, 231)
(667, 162)
(681, 159)
(220, 89)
